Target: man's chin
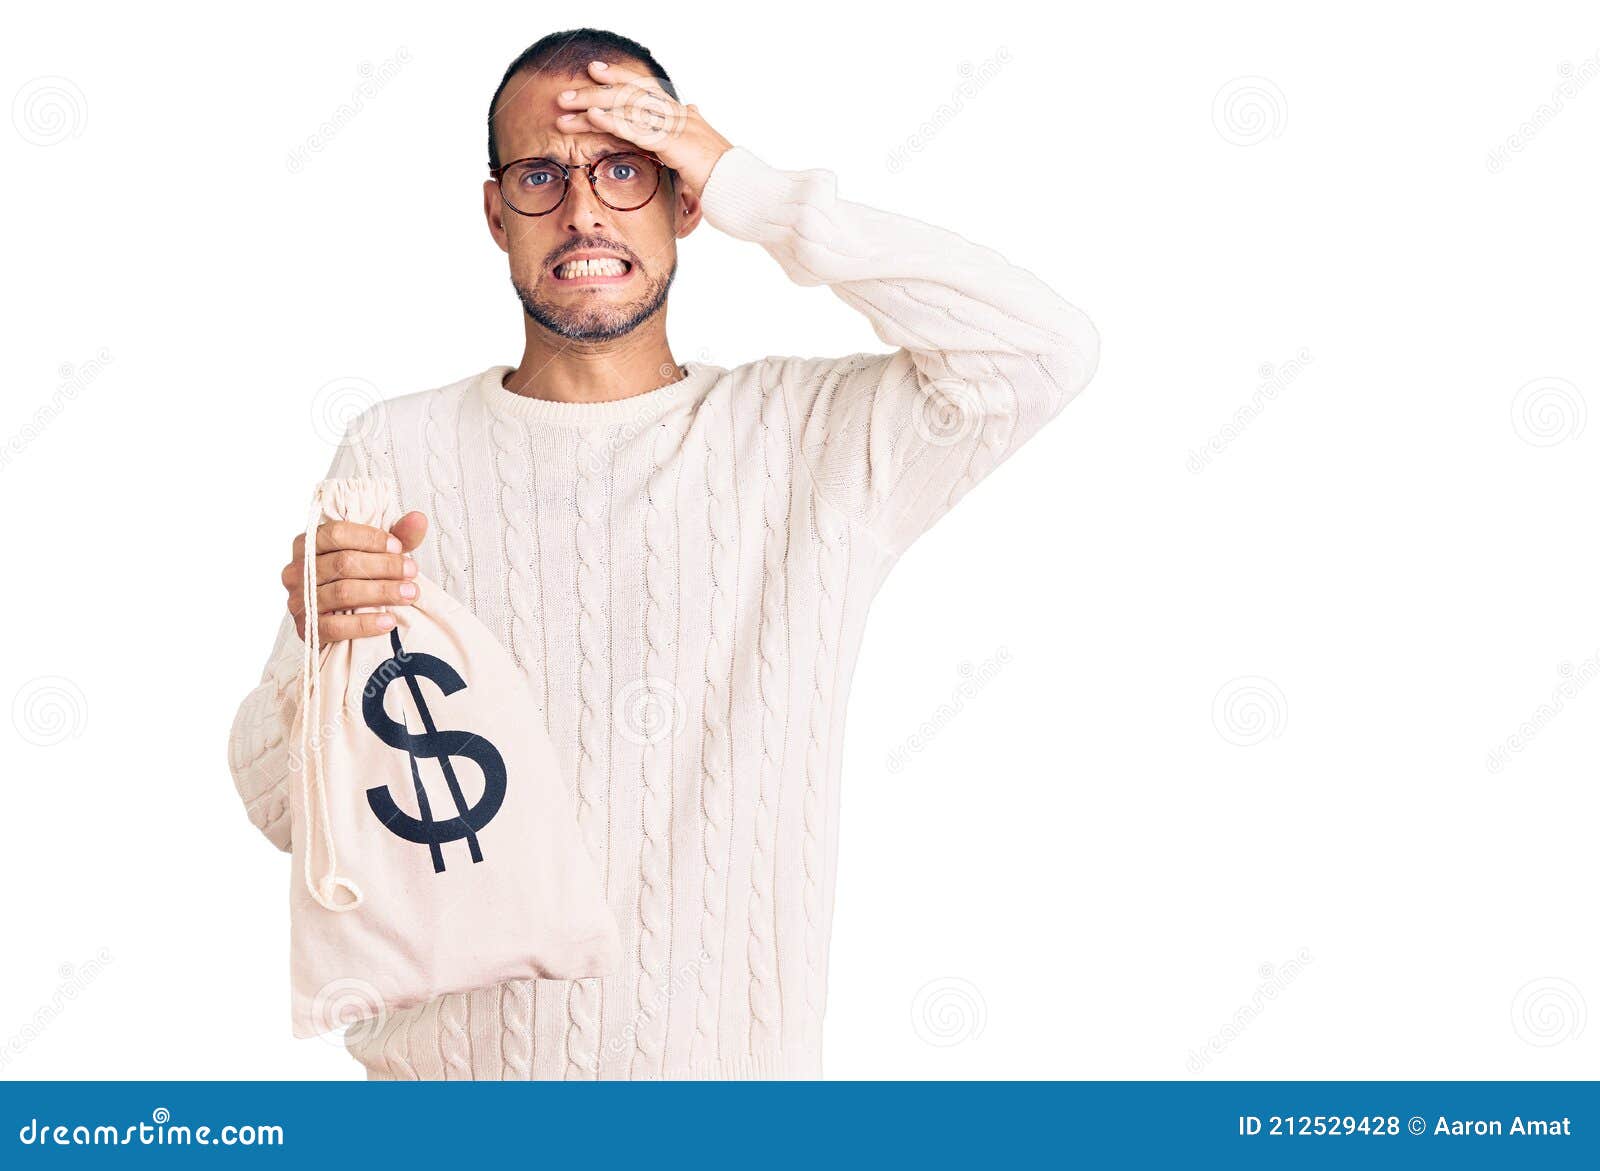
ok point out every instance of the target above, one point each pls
(588, 313)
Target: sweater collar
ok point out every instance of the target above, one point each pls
(635, 409)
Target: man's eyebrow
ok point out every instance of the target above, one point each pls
(589, 155)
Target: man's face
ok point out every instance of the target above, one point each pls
(592, 307)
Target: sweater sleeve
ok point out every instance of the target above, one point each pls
(987, 352)
(260, 755)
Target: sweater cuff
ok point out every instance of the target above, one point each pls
(742, 194)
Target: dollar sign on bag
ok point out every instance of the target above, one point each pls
(431, 744)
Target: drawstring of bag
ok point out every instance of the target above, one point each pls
(324, 888)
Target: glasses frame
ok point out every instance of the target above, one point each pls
(496, 173)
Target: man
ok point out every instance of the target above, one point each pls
(679, 557)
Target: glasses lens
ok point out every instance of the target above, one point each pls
(533, 188)
(626, 181)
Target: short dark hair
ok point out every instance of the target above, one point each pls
(568, 54)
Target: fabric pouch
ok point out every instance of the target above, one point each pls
(435, 847)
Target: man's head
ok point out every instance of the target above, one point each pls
(522, 125)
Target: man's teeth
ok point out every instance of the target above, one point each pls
(577, 268)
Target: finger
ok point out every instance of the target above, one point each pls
(338, 627)
(619, 75)
(615, 90)
(347, 563)
(410, 529)
(577, 124)
(344, 534)
(647, 120)
(607, 122)
(347, 595)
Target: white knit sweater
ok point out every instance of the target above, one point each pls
(684, 576)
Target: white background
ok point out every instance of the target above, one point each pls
(1107, 855)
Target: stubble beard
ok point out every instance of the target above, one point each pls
(596, 320)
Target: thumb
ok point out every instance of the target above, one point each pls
(410, 529)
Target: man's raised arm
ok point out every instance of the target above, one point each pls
(988, 353)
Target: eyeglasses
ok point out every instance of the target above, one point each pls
(623, 181)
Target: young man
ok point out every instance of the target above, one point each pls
(680, 557)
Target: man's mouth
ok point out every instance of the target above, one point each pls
(596, 270)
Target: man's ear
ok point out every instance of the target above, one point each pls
(494, 211)
(686, 205)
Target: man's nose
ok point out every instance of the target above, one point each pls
(582, 210)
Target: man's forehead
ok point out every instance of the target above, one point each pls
(525, 122)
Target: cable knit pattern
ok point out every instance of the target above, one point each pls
(773, 677)
(830, 541)
(513, 471)
(583, 998)
(661, 701)
(444, 483)
(716, 783)
(685, 574)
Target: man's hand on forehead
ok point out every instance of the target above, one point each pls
(634, 108)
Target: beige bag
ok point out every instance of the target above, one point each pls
(435, 844)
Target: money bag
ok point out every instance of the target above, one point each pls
(435, 843)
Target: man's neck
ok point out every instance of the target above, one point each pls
(577, 372)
